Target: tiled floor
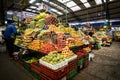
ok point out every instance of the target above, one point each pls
(105, 66)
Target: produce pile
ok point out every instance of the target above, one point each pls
(117, 33)
(55, 57)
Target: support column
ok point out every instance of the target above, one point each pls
(2, 12)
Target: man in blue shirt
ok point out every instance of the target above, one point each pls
(8, 36)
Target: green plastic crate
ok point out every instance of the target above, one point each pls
(72, 73)
(35, 74)
(27, 66)
(80, 62)
(86, 55)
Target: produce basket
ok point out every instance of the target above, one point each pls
(54, 74)
(53, 67)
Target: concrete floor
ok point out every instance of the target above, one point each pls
(105, 66)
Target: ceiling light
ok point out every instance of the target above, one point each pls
(31, 1)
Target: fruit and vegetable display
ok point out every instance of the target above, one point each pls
(117, 33)
(36, 45)
(102, 36)
(28, 32)
(26, 41)
(67, 53)
(17, 41)
(32, 60)
(48, 47)
(50, 19)
(53, 58)
(87, 49)
(41, 16)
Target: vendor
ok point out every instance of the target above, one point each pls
(9, 37)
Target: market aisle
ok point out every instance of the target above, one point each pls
(9, 70)
(105, 66)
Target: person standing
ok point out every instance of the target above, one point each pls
(9, 36)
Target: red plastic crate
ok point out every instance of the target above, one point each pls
(72, 64)
(54, 74)
(80, 56)
(86, 62)
(45, 77)
(35, 67)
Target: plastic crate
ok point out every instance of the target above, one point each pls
(72, 73)
(86, 62)
(35, 74)
(35, 67)
(86, 55)
(54, 74)
(72, 64)
(80, 62)
(45, 77)
(27, 66)
(80, 56)
(80, 65)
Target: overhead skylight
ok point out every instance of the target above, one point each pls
(59, 13)
(33, 7)
(75, 8)
(87, 5)
(61, 8)
(46, 0)
(70, 4)
(83, 1)
(28, 10)
(56, 11)
(63, 1)
(111, 0)
(38, 4)
(33, 10)
(104, 0)
(98, 2)
(31, 1)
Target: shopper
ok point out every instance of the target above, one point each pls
(9, 36)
